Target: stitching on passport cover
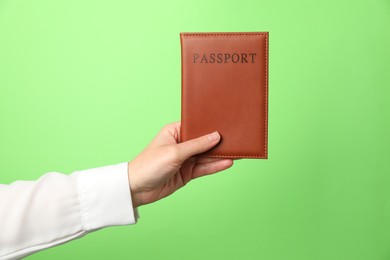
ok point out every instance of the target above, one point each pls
(222, 34)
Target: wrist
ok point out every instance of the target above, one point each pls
(135, 198)
(135, 194)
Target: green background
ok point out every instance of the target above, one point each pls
(89, 83)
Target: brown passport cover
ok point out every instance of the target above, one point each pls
(225, 89)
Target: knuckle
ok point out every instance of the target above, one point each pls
(163, 128)
(169, 126)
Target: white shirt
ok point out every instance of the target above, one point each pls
(57, 208)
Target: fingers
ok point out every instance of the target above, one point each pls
(198, 145)
(208, 159)
(213, 159)
(211, 167)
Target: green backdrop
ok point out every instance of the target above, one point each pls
(89, 83)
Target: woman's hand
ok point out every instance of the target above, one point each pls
(165, 165)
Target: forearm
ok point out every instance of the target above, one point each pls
(57, 208)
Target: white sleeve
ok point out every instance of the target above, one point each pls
(57, 208)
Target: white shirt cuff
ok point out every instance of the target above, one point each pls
(105, 197)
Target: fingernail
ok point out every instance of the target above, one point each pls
(214, 136)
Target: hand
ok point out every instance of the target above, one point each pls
(165, 165)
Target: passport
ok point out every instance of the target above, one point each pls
(224, 88)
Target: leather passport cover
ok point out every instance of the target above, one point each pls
(225, 89)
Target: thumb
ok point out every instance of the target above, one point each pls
(198, 145)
